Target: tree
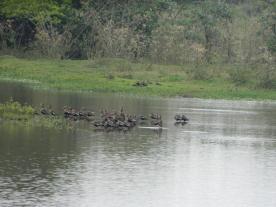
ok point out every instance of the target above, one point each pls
(269, 27)
(208, 15)
(20, 19)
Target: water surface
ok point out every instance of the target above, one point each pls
(225, 156)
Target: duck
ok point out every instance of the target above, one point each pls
(43, 110)
(131, 120)
(155, 116)
(51, 112)
(142, 118)
(181, 118)
(98, 124)
(157, 123)
(110, 123)
(84, 112)
(90, 113)
(66, 112)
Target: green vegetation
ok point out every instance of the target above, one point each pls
(162, 31)
(25, 114)
(198, 48)
(118, 75)
(15, 111)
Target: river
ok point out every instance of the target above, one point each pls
(225, 156)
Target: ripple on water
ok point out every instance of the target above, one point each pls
(225, 156)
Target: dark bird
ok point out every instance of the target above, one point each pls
(98, 124)
(143, 118)
(51, 112)
(181, 118)
(155, 116)
(90, 113)
(66, 112)
(157, 123)
(43, 110)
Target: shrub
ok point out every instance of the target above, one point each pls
(267, 80)
(239, 76)
(199, 73)
(110, 76)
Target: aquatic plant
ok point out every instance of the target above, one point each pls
(13, 110)
(27, 115)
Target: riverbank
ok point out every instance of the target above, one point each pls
(121, 76)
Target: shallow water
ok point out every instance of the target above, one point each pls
(225, 156)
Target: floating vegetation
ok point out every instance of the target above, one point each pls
(15, 111)
(26, 114)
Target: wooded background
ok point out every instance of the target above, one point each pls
(162, 31)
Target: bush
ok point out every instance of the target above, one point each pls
(267, 80)
(110, 76)
(199, 73)
(239, 76)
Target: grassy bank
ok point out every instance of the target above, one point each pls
(117, 75)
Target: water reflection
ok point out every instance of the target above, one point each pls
(225, 156)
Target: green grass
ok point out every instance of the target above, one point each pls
(117, 75)
(15, 112)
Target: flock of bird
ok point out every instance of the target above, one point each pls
(119, 120)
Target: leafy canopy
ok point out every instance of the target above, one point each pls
(34, 10)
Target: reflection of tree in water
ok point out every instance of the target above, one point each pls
(58, 99)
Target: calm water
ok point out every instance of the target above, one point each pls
(225, 156)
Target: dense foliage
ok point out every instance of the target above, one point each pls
(164, 31)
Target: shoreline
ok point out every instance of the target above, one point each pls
(80, 76)
(123, 94)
